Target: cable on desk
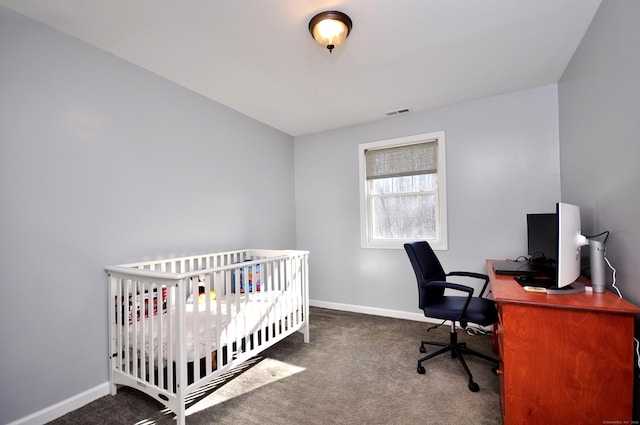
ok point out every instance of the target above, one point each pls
(637, 351)
(613, 283)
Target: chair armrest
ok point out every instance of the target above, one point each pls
(449, 285)
(469, 274)
(474, 275)
(456, 287)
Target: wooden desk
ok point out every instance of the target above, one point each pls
(564, 359)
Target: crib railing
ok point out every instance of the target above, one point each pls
(177, 324)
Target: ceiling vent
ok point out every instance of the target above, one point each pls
(398, 112)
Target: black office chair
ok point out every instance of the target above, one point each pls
(463, 309)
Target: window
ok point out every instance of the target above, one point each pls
(402, 191)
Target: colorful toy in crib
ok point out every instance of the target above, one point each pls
(202, 293)
(246, 276)
(202, 297)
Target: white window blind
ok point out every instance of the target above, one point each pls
(399, 161)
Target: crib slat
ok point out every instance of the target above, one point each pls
(161, 331)
(125, 322)
(137, 350)
(193, 290)
(207, 325)
(130, 336)
(153, 311)
(170, 336)
(146, 330)
(134, 306)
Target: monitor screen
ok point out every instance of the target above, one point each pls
(542, 238)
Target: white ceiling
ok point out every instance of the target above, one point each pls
(257, 56)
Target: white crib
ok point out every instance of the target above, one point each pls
(178, 324)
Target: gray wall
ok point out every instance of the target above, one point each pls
(502, 162)
(101, 163)
(599, 107)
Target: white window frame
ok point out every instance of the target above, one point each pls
(441, 241)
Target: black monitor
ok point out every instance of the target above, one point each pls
(542, 238)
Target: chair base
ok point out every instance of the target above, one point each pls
(457, 350)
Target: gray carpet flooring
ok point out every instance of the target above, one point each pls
(357, 369)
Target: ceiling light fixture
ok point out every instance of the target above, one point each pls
(329, 29)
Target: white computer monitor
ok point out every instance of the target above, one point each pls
(570, 243)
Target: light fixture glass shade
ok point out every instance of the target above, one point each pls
(330, 29)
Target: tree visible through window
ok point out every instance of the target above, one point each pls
(402, 191)
(403, 207)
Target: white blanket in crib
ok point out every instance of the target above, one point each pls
(237, 319)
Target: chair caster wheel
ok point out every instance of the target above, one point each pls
(473, 387)
(421, 370)
(422, 349)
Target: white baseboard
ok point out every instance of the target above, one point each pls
(65, 406)
(396, 314)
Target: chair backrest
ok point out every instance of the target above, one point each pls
(427, 268)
